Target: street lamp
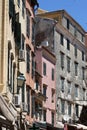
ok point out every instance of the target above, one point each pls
(20, 80)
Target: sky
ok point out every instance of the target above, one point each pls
(75, 8)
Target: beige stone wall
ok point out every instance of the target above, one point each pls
(1, 81)
(3, 44)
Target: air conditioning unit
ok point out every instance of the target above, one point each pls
(45, 43)
(69, 97)
(21, 55)
(25, 107)
(17, 100)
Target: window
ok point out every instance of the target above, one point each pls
(28, 98)
(11, 8)
(62, 84)
(44, 115)
(44, 89)
(23, 7)
(52, 117)
(13, 77)
(17, 17)
(23, 94)
(18, 1)
(75, 32)
(76, 90)
(10, 70)
(68, 64)
(83, 56)
(61, 39)
(28, 59)
(36, 110)
(53, 94)
(76, 69)
(17, 34)
(44, 69)
(23, 40)
(82, 38)
(68, 44)
(33, 32)
(32, 105)
(75, 50)
(11, 73)
(84, 93)
(37, 85)
(28, 23)
(52, 74)
(9, 59)
(67, 23)
(69, 109)
(12, 14)
(77, 110)
(62, 59)
(40, 111)
(83, 73)
(62, 107)
(33, 66)
(69, 87)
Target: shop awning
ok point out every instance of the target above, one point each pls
(82, 126)
(60, 125)
(5, 123)
(7, 110)
(76, 126)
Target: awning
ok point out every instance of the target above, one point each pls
(76, 126)
(60, 125)
(82, 126)
(13, 110)
(5, 123)
(6, 110)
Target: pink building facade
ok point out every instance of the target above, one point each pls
(45, 62)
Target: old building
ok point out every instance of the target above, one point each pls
(8, 64)
(45, 64)
(68, 44)
(16, 41)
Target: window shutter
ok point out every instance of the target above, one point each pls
(18, 34)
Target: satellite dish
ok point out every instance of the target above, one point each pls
(66, 117)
